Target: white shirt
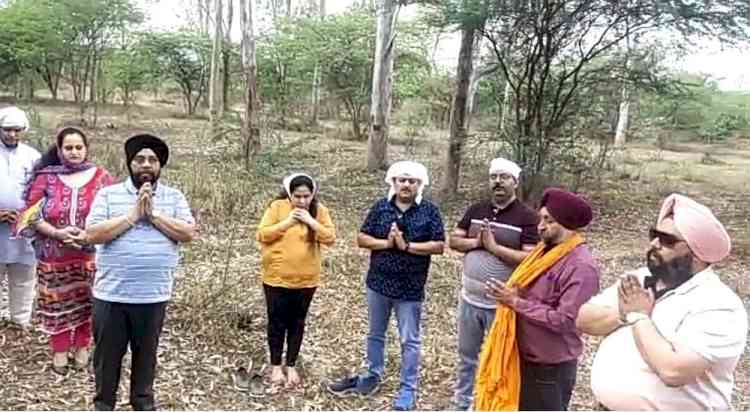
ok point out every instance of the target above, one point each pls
(15, 169)
(702, 314)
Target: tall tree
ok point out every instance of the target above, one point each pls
(226, 55)
(457, 139)
(216, 109)
(250, 131)
(315, 99)
(382, 85)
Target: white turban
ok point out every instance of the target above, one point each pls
(407, 169)
(704, 234)
(501, 165)
(288, 182)
(13, 117)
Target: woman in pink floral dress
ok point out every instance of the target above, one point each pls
(64, 183)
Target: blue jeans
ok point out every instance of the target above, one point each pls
(408, 315)
(473, 325)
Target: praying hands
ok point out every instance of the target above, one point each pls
(634, 298)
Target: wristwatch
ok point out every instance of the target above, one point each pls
(634, 317)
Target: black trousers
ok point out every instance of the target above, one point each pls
(117, 326)
(287, 311)
(546, 387)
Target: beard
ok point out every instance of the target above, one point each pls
(673, 272)
(8, 144)
(140, 178)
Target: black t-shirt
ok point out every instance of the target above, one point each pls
(515, 214)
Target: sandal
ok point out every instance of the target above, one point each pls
(252, 384)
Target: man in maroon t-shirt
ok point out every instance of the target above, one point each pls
(495, 235)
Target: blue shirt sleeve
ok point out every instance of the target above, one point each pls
(99, 210)
(438, 229)
(182, 209)
(369, 225)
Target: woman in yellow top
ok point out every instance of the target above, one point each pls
(291, 232)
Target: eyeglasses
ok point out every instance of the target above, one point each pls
(665, 239)
(502, 176)
(409, 180)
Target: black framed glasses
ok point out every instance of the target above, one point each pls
(665, 239)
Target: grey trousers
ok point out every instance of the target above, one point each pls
(473, 325)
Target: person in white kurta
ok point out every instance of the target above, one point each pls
(17, 259)
(673, 332)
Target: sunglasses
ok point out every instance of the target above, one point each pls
(665, 239)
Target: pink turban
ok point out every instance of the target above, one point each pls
(704, 234)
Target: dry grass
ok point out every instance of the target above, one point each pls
(216, 321)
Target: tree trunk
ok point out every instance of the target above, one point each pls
(250, 131)
(226, 55)
(505, 109)
(382, 79)
(476, 75)
(623, 118)
(458, 115)
(315, 98)
(214, 92)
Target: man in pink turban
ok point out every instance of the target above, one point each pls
(674, 332)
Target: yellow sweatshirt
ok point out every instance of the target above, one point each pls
(289, 259)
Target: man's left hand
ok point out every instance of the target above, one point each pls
(500, 292)
(398, 239)
(487, 237)
(633, 297)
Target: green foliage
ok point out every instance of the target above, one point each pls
(53, 37)
(698, 107)
(129, 70)
(182, 57)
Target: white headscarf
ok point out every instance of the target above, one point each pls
(13, 117)
(407, 169)
(501, 165)
(288, 182)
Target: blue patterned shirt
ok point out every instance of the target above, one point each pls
(395, 273)
(138, 266)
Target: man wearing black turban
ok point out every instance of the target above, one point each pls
(133, 148)
(141, 226)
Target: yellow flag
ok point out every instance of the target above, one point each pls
(30, 216)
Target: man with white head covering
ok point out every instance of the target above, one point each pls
(495, 234)
(17, 259)
(674, 332)
(402, 231)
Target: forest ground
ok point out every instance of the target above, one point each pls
(216, 320)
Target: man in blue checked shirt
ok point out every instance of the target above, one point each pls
(402, 231)
(137, 226)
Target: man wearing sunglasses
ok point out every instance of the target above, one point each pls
(17, 260)
(402, 231)
(674, 332)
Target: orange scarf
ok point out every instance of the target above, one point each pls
(498, 380)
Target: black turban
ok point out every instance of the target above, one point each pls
(146, 141)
